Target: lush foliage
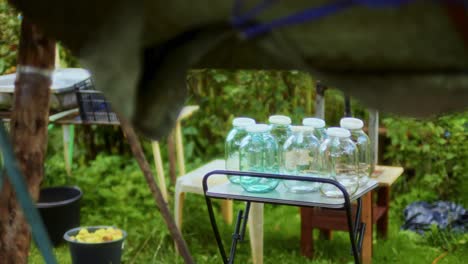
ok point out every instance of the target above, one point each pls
(434, 153)
(223, 95)
(9, 32)
(9, 38)
(115, 193)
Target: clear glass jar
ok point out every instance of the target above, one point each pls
(232, 145)
(339, 162)
(318, 125)
(363, 144)
(280, 129)
(301, 158)
(259, 153)
(280, 126)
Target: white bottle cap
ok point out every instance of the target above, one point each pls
(313, 122)
(351, 123)
(243, 122)
(258, 128)
(338, 132)
(279, 120)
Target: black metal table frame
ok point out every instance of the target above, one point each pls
(356, 230)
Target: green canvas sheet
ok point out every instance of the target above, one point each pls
(407, 60)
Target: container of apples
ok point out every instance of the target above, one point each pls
(95, 244)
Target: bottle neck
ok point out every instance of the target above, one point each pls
(239, 128)
(338, 138)
(257, 134)
(358, 130)
(280, 126)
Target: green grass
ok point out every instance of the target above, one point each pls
(115, 193)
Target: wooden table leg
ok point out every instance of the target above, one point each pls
(255, 222)
(326, 234)
(384, 201)
(307, 238)
(226, 210)
(366, 217)
(159, 168)
(66, 148)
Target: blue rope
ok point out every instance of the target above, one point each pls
(314, 13)
(29, 209)
(240, 20)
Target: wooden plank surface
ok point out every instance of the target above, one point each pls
(386, 175)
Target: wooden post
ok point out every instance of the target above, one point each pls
(66, 148)
(374, 136)
(159, 168)
(255, 223)
(366, 217)
(347, 106)
(320, 100)
(29, 122)
(171, 154)
(137, 151)
(179, 148)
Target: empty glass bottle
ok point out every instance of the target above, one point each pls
(363, 144)
(301, 158)
(232, 144)
(318, 125)
(339, 160)
(280, 129)
(280, 126)
(259, 153)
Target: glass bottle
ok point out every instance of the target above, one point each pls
(339, 162)
(280, 129)
(259, 153)
(301, 158)
(232, 145)
(363, 144)
(280, 126)
(318, 125)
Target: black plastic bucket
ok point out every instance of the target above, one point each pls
(60, 210)
(94, 253)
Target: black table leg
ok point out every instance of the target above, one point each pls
(237, 236)
(356, 229)
(209, 205)
(352, 233)
(239, 231)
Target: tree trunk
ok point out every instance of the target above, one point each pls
(29, 136)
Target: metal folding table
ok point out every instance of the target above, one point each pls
(281, 197)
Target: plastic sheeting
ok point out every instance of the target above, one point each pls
(419, 216)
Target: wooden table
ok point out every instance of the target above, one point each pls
(327, 220)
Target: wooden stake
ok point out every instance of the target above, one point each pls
(179, 148)
(29, 122)
(171, 154)
(155, 191)
(159, 168)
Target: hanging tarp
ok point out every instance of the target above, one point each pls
(396, 55)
